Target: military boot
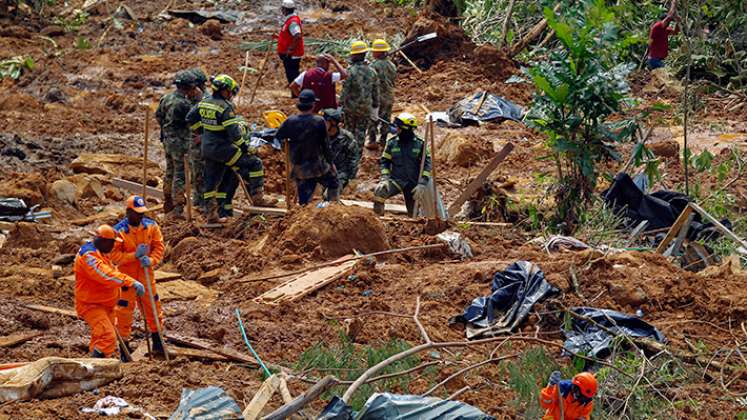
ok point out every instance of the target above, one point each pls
(123, 354)
(168, 203)
(259, 199)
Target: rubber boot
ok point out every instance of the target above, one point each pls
(97, 354)
(211, 213)
(122, 356)
(372, 145)
(168, 203)
(157, 344)
(378, 208)
(260, 200)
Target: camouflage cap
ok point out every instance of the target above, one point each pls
(334, 114)
(199, 76)
(184, 78)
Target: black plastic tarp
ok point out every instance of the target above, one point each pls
(493, 108)
(587, 338)
(660, 208)
(514, 292)
(386, 406)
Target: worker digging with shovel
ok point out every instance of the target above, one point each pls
(140, 249)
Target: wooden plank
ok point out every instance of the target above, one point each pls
(672, 233)
(674, 250)
(719, 225)
(136, 188)
(203, 345)
(261, 398)
(175, 352)
(391, 208)
(52, 310)
(306, 283)
(476, 183)
(18, 338)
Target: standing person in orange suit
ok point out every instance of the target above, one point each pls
(141, 249)
(97, 289)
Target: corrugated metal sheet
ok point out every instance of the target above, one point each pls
(211, 403)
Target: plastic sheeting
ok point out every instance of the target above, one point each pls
(514, 293)
(386, 406)
(587, 338)
(206, 403)
(472, 109)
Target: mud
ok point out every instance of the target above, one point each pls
(93, 101)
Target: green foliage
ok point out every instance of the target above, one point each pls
(336, 47)
(348, 361)
(600, 226)
(82, 43)
(73, 23)
(703, 161)
(14, 67)
(577, 90)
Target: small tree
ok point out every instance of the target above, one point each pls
(578, 89)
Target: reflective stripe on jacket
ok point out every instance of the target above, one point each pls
(96, 278)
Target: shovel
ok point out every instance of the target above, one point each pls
(421, 38)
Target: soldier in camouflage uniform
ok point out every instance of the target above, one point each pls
(345, 154)
(387, 74)
(176, 138)
(196, 162)
(360, 94)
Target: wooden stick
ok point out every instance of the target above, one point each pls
(156, 318)
(288, 196)
(416, 207)
(477, 182)
(431, 127)
(243, 78)
(145, 153)
(122, 346)
(674, 229)
(261, 73)
(478, 106)
(719, 225)
(302, 400)
(243, 187)
(145, 326)
(415, 66)
(504, 29)
(261, 398)
(342, 261)
(188, 188)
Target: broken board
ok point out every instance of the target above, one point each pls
(52, 310)
(18, 338)
(303, 284)
(476, 183)
(391, 208)
(185, 290)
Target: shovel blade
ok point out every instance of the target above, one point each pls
(426, 37)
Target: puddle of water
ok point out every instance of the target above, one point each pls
(698, 140)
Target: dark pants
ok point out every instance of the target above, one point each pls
(655, 63)
(391, 189)
(292, 67)
(306, 187)
(222, 163)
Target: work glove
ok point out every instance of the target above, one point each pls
(382, 187)
(141, 250)
(554, 378)
(145, 261)
(375, 114)
(139, 288)
(419, 192)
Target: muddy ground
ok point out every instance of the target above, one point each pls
(93, 100)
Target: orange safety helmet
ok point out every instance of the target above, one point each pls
(107, 232)
(136, 203)
(587, 383)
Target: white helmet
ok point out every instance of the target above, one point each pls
(289, 4)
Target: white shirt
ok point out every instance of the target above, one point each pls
(299, 80)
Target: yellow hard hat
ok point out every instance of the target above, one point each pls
(274, 118)
(380, 45)
(358, 47)
(406, 119)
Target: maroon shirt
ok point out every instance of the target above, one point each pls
(320, 81)
(659, 40)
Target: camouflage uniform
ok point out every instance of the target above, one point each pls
(345, 156)
(387, 75)
(176, 138)
(400, 167)
(360, 94)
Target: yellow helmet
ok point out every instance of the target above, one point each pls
(224, 81)
(406, 119)
(380, 45)
(358, 47)
(274, 118)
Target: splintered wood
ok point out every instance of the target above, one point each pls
(305, 283)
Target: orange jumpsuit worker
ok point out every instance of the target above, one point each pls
(578, 397)
(141, 249)
(97, 285)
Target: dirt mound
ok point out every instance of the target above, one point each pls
(463, 151)
(451, 41)
(330, 232)
(28, 235)
(31, 188)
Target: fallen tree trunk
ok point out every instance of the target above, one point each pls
(532, 35)
(302, 400)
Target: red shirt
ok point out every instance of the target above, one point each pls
(320, 81)
(658, 45)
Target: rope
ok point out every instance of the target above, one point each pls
(251, 349)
